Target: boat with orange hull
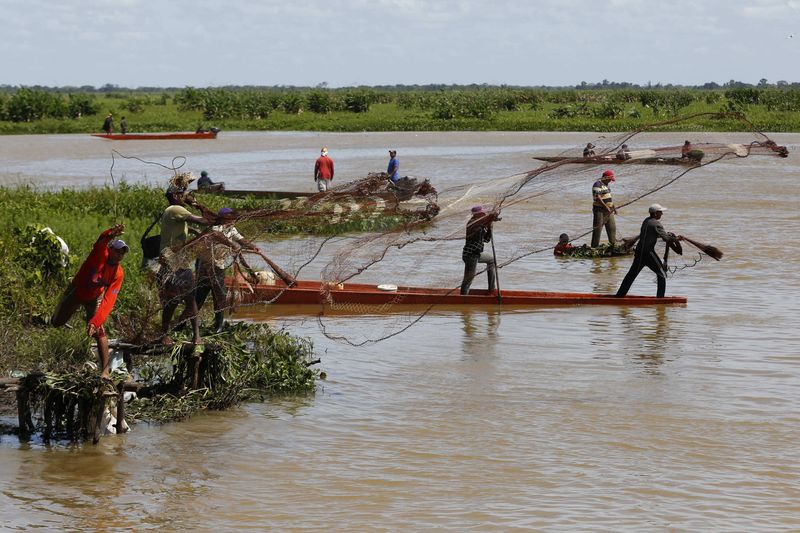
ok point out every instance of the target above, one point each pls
(156, 136)
(328, 295)
(611, 160)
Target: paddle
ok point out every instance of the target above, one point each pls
(707, 249)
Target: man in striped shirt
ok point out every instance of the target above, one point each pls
(603, 209)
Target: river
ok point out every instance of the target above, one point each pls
(576, 418)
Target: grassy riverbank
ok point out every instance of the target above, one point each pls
(34, 277)
(774, 109)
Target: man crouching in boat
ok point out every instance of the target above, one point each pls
(100, 275)
(479, 231)
(645, 255)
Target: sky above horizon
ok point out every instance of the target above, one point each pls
(202, 43)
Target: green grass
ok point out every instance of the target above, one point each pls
(386, 115)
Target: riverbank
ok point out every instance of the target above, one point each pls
(365, 109)
(254, 359)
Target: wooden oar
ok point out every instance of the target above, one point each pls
(707, 249)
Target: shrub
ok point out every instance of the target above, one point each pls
(81, 104)
(292, 103)
(358, 101)
(319, 102)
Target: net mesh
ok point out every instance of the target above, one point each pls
(420, 230)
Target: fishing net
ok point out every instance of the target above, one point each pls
(412, 234)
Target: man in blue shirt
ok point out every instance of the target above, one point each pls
(393, 170)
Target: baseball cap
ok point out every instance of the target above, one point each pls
(477, 209)
(118, 244)
(657, 207)
(225, 211)
(609, 174)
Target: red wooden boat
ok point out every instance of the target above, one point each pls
(345, 294)
(611, 160)
(157, 136)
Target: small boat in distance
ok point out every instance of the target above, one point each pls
(611, 160)
(157, 136)
(353, 295)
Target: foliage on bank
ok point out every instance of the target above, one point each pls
(253, 360)
(26, 110)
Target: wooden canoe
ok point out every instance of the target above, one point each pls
(609, 160)
(354, 294)
(243, 193)
(156, 136)
(331, 195)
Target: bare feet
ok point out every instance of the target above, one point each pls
(167, 341)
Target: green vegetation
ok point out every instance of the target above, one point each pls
(604, 107)
(251, 360)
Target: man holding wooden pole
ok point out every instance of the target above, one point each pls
(645, 255)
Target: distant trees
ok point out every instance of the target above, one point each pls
(27, 105)
(606, 101)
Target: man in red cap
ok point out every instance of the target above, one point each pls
(100, 275)
(603, 209)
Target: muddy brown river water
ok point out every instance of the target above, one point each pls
(597, 419)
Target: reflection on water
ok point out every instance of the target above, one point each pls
(480, 332)
(605, 271)
(653, 333)
(570, 418)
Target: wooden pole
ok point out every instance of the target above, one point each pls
(496, 273)
(121, 408)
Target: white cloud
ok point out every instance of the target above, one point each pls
(180, 42)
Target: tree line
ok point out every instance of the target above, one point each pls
(26, 104)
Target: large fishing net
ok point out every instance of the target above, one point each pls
(419, 228)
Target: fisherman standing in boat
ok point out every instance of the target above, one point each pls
(603, 209)
(589, 150)
(645, 255)
(323, 170)
(623, 154)
(108, 124)
(479, 231)
(95, 288)
(393, 170)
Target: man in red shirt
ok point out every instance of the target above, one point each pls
(323, 170)
(100, 275)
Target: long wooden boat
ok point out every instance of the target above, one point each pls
(333, 195)
(156, 136)
(243, 193)
(349, 294)
(610, 160)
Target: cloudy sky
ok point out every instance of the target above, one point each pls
(134, 43)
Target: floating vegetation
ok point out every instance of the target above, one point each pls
(602, 250)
